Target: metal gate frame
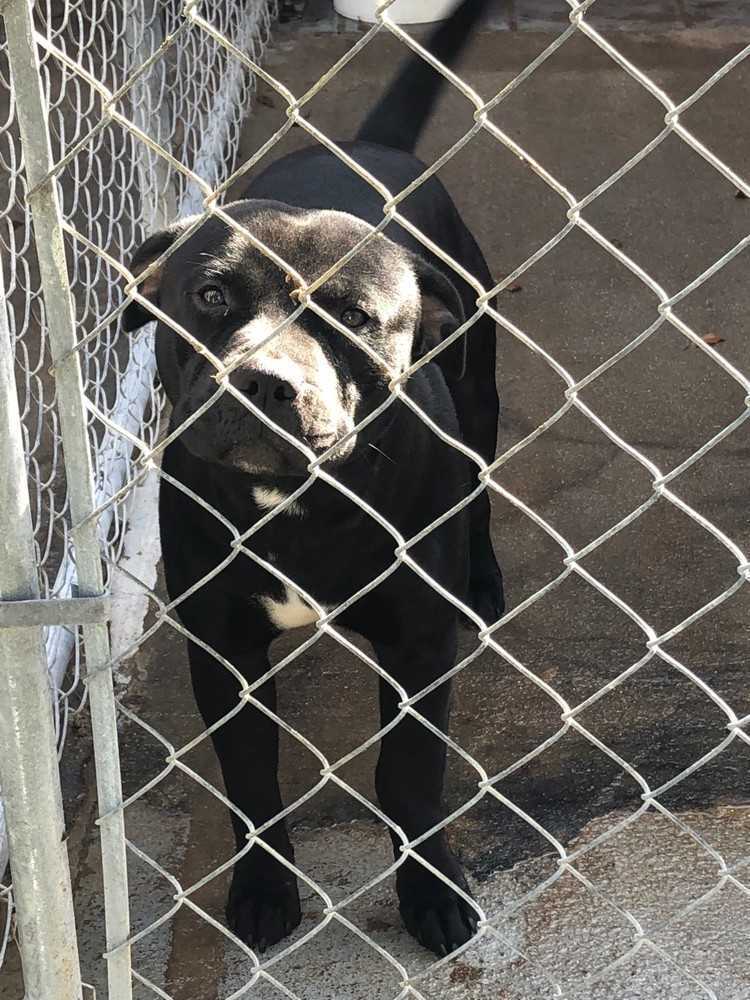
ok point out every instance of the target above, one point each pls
(30, 771)
(29, 767)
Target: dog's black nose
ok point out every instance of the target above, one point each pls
(269, 393)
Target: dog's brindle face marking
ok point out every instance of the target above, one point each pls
(309, 378)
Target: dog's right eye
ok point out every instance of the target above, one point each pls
(354, 317)
(212, 296)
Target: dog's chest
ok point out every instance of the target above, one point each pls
(268, 498)
(290, 612)
(317, 550)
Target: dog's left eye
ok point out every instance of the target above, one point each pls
(212, 295)
(354, 317)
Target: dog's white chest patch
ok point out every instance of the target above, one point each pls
(292, 612)
(267, 499)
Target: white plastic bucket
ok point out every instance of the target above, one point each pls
(402, 11)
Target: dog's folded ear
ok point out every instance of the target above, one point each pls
(442, 314)
(137, 315)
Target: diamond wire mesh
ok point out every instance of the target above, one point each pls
(6, 920)
(192, 102)
(193, 24)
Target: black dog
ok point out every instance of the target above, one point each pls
(317, 385)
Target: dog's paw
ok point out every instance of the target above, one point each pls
(261, 914)
(435, 914)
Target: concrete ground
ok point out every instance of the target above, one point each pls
(581, 116)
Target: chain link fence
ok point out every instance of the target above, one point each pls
(178, 86)
(145, 103)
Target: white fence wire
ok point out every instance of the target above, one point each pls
(116, 106)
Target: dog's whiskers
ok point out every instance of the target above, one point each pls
(381, 452)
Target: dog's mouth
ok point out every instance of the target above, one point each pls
(280, 458)
(245, 444)
(321, 442)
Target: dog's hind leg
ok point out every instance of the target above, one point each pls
(486, 595)
(263, 904)
(409, 782)
(476, 400)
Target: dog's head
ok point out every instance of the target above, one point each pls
(310, 378)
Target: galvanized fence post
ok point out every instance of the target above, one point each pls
(50, 248)
(29, 772)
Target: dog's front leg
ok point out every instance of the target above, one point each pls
(409, 782)
(263, 904)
